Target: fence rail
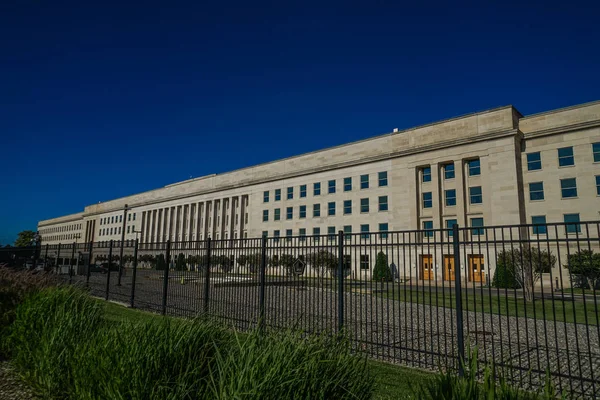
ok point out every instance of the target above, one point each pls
(525, 296)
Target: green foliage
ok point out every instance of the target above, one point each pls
(252, 261)
(180, 264)
(161, 263)
(323, 261)
(585, 263)
(290, 366)
(25, 238)
(504, 275)
(521, 267)
(382, 271)
(285, 260)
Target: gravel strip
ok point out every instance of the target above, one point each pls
(11, 386)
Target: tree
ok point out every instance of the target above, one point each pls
(180, 264)
(161, 263)
(382, 271)
(323, 262)
(585, 263)
(286, 261)
(252, 261)
(522, 268)
(25, 238)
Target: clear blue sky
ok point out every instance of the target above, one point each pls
(99, 100)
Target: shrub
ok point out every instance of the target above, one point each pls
(161, 263)
(382, 271)
(289, 366)
(586, 265)
(504, 276)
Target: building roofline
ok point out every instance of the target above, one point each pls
(558, 110)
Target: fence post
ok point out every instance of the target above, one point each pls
(135, 257)
(166, 278)
(340, 281)
(89, 265)
(57, 256)
(108, 269)
(71, 264)
(207, 276)
(263, 267)
(458, 296)
(46, 258)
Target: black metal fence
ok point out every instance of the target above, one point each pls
(524, 296)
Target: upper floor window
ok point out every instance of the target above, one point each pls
(347, 184)
(534, 161)
(568, 187)
(289, 213)
(449, 171)
(302, 234)
(596, 151)
(364, 231)
(331, 208)
(331, 233)
(302, 212)
(450, 197)
(536, 191)
(316, 210)
(302, 190)
(539, 224)
(477, 223)
(316, 234)
(383, 231)
(347, 232)
(277, 194)
(572, 221)
(450, 225)
(427, 228)
(474, 167)
(277, 215)
(383, 203)
(331, 186)
(288, 235)
(347, 207)
(290, 193)
(276, 235)
(598, 185)
(475, 195)
(364, 181)
(427, 200)
(426, 174)
(382, 178)
(317, 189)
(364, 205)
(266, 196)
(565, 157)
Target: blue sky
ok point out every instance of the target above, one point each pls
(103, 99)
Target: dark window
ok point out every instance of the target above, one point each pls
(427, 200)
(449, 171)
(316, 210)
(331, 187)
(302, 190)
(428, 228)
(565, 157)
(288, 234)
(536, 191)
(277, 215)
(364, 181)
(475, 195)
(347, 206)
(277, 194)
(364, 231)
(290, 193)
(289, 213)
(331, 208)
(477, 223)
(347, 232)
(317, 189)
(534, 161)
(331, 233)
(276, 235)
(426, 174)
(347, 184)
(474, 167)
(572, 221)
(450, 197)
(316, 233)
(568, 187)
(539, 224)
(596, 151)
(302, 234)
(449, 225)
(383, 179)
(598, 185)
(364, 205)
(302, 212)
(383, 229)
(364, 261)
(383, 203)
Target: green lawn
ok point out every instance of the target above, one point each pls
(392, 382)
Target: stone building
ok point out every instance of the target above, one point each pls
(495, 167)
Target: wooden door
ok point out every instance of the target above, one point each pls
(449, 268)
(426, 267)
(476, 268)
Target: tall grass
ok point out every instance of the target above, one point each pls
(290, 366)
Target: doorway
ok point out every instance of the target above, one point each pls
(476, 268)
(449, 268)
(426, 267)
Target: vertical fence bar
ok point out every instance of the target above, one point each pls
(166, 277)
(340, 281)
(89, 265)
(71, 264)
(135, 257)
(207, 276)
(46, 258)
(263, 267)
(108, 269)
(458, 295)
(57, 256)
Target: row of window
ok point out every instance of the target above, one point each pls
(116, 219)
(331, 232)
(473, 169)
(115, 231)
(571, 220)
(382, 205)
(566, 157)
(568, 188)
(64, 228)
(382, 181)
(54, 238)
(475, 197)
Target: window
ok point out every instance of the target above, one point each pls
(128, 229)
(427, 229)
(331, 186)
(450, 197)
(347, 184)
(364, 261)
(288, 235)
(383, 229)
(289, 213)
(276, 235)
(120, 218)
(596, 151)
(277, 194)
(598, 185)
(474, 167)
(382, 178)
(449, 225)
(364, 181)
(302, 190)
(536, 191)
(364, 231)
(290, 193)
(572, 221)
(383, 203)
(316, 210)
(347, 207)
(565, 157)
(347, 232)
(277, 216)
(129, 217)
(534, 161)
(316, 233)
(111, 231)
(449, 171)
(317, 189)
(302, 234)
(364, 205)
(568, 188)
(478, 224)
(112, 220)
(427, 200)
(266, 196)
(134, 216)
(331, 233)
(426, 174)
(265, 233)
(331, 208)
(302, 211)
(539, 224)
(475, 195)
